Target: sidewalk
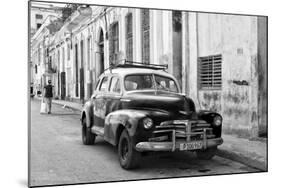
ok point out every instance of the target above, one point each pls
(68, 104)
(249, 152)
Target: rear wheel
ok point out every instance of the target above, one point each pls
(88, 137)
(128, 156)
(206, 154)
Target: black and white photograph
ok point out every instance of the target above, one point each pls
(124, 93)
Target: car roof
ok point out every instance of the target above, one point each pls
(128, 71)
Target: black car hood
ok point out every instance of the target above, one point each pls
(173, 105)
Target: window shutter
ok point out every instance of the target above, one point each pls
(129, 37)
(110, 36)
(145, 35)
(210, 72)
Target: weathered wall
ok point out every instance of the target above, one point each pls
(234, 37)
(262, 70)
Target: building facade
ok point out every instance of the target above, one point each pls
(219, 60)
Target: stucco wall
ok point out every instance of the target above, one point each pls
(234, 37)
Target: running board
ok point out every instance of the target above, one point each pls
(97, 130)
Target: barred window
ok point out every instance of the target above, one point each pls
(113, 43)
(129, 37)
(39, 16)
(145, 35)
(209, 72)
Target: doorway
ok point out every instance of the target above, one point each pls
(82, 94)
(100, 54)
(76, 70)
(177, 46)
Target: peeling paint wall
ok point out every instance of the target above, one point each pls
(262, 70)
(235, 38)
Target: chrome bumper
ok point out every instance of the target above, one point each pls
(172, 146)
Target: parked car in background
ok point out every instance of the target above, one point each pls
(139, 108)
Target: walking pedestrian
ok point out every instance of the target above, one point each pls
(48, 95)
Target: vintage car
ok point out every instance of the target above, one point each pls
(140, 109)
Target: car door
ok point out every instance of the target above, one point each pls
(114, 95)
(100, 103)
(112, 104)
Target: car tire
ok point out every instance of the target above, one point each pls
(88, 138)
(206, 154)
(128, 156)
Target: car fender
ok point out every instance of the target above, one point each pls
(87, 113)
(121, 119)
(207, 115)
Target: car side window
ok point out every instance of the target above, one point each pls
(115, 85)
(97, 84)
(104, 83)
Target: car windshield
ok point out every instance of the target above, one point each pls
(145, 81)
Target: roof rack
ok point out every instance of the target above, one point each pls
(133, 64)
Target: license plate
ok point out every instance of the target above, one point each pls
(191, 146)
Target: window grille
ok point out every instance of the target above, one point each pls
(145, 35)
(210, 72)
(129, 37)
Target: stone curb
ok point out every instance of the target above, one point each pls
(242, 158)
(71, 107)
(61, 104)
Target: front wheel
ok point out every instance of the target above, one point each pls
(128, 156)
(88, 137)
(206, 154)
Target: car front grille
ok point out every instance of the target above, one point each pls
(182, 130)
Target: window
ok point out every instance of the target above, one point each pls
(63, 59)
(114, 42)
(165, 84)
(68, 51)
(145, 35)
(129, 37)
(38, 25)
(97, 84)
(82, 53)
(39, 16)
(209, 72)
(138, 82)
(115, 85)
(103, 85)
(89, 52)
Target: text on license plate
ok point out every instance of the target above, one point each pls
(191, 146)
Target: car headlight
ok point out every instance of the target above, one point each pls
(147, 123)
(217, 121)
